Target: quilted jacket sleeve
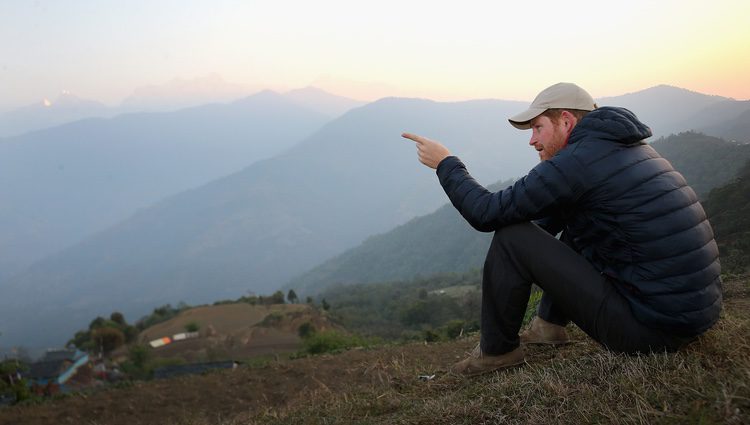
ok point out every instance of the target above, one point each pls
(535, 196)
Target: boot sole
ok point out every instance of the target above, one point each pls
(552, 343)
(484, 372)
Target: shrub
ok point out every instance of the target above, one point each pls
(453, 329)
(325, 342)
(272, 319)
(306, 329)
(139, 355)
(192, 327)
(430, 335)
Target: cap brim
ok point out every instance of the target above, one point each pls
(522, 121)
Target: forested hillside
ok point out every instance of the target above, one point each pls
(431, 307)
(728, 208)
(705, 161)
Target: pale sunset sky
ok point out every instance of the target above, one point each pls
(103, 49)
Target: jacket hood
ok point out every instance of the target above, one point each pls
(611, 123)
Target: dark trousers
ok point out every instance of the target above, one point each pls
(523, 254)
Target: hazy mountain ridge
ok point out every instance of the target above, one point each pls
(180, 93)
(322, 101)
(668, 109)
(67, 182)
(172, 96)
(737, 128)
(438, 242)
(65, 108)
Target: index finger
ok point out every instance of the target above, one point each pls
(414, 137)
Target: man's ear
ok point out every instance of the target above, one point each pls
(568, 120)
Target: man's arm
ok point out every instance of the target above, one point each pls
(535, 196)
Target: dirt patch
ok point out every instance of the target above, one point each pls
(225, 319)
(234, 331)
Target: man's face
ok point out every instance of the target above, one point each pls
(547, 137)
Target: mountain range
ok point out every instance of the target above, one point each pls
(168, 97)
(257, 228)
(65, 183)
(667, 109)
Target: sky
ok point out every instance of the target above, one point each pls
(103, 50)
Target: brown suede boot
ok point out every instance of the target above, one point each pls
(542, 332)
(479, 363)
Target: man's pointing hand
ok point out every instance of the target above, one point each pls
(429, 151)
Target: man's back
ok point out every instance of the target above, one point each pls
(636, 220)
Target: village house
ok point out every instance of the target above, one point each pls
(50, 374)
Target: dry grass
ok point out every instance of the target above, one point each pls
(706, 383)
(581, 383)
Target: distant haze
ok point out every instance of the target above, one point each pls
(368, 50)
(209, 202)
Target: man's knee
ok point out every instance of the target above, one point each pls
(509, 242)
(515, 232)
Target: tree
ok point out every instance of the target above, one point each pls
(416, 313)
(118, 318)
(325, 304)
(97, 323)
(11, 382)
(291, 296)
(107, 339)
(82, 340)
(276, 298)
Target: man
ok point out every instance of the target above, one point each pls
(636, 266)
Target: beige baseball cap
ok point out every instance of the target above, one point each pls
(558, 96)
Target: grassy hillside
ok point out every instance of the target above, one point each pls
(578, 383)
(235, 331)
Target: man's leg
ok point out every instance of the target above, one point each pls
(547, 311)
(524, 253)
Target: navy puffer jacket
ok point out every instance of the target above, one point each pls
(624, 208)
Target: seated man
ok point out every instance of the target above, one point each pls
(636, 266)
